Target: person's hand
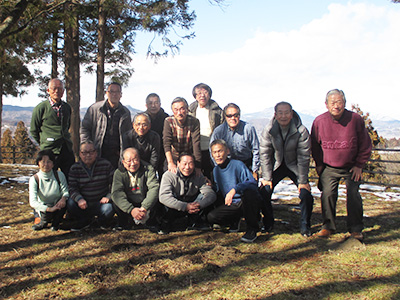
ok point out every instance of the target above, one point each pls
(229, 197)
(356, 173)
(304, 186)
(266, 182)
(193, 207)
(255, 175)
(82, 204)
(208, 181)
(172, 167)
(138, 213)
(52, 209)
(61, 203)
(104, 200)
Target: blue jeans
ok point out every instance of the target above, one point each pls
(104, 211)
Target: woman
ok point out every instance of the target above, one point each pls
(48, 192)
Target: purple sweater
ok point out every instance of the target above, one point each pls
(341, 144)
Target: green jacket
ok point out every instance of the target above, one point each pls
(48, 130)
(144, 194)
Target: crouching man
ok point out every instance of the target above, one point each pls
(185, 193)
(90, 189)
(134, 189)
(237, 193)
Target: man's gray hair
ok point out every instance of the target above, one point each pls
(335, 92)
(142, 114)
(219, 142)
(180, 99)
(229, 105)
(283, 103)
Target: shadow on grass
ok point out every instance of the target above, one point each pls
(160, 283)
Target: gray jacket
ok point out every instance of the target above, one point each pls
(94, 124)
(215, 113)
(295, 150)
(172, 191)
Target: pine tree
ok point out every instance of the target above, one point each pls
(24, 147)
(7, 144)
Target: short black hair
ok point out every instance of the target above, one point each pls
(201, 86)
(185, 154)
(46, 152)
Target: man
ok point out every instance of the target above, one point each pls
(185, 193)
(181, 134)
(50, 124)
(285, 149)
(157, 117)
(210, 115)
(90, 188)
(340, 147)
(240, 137)
(146, 141)
(237, 192)
(134, 189)
(104, 124)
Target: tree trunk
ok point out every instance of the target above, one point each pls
(54, 56)
(100, 52)
(72, 79)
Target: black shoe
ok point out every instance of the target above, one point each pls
(306, 232)
(54, 228)
(201, 226)
(234, 227)
(40, 226)
(249, 237)
(80, 226)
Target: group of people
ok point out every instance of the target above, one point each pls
(202, 164)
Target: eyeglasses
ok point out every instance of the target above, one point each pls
(144, 125)
(130, 161)
(114, 92)
(88, 152)
(232, 116)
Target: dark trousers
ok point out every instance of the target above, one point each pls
(207, 165)
(328, 183)
(249, 207)
(64, 160)
(53, 217)
(104, 211)
(306, 199)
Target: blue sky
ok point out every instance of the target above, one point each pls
(258, 52)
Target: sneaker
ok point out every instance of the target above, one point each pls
(41, 225)
(267, 229)
(54, 228)
(324, 233)
(249, 237)
(37, 220)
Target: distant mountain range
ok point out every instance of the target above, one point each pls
(387, 128)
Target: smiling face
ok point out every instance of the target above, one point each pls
(180, 111)
(131, 160)
(335, 105)
(141, 125)
(232, 117)
(46, 165)
(55, 90)
(283, 115)
(186, 165)
(88, 154)
(219, 153)
(202, 96)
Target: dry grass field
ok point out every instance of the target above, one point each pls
(137, 264)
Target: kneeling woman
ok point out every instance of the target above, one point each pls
(48, 192)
